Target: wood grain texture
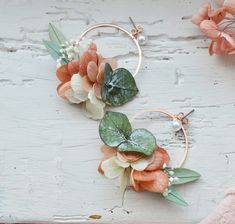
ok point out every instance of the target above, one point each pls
(49, 151)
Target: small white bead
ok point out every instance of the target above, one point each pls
(142, 39)
(176, 124)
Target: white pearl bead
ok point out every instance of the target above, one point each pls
(142, 39)
(176, 125)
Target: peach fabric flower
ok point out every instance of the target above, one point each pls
(145, 173)
(210, 29)
(206, 13)
(116, 164)
(153, 178)
(90, 67)
(108, 152)
(65, 71)
(92, 70)
(81, 80)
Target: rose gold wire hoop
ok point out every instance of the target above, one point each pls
(133, 38)
(173, 117)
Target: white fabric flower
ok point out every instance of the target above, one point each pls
(77, 87)
(114, 168)
(92, 107)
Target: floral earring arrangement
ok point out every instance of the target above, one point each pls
(86, 77)
(218, 25)
(134, 157)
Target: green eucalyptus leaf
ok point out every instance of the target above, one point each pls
(183, 176)
(119, 86)
(175, 197)
(140, 140)
(56, 36)
(114, 128)
(54, 50)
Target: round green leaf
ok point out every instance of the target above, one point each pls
(114, 128)
(140, 140)
(119, 86)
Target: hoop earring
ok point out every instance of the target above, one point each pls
(89, 79)
(178, 122)
(138, 161)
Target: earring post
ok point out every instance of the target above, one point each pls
(132, 22)
(190, 112)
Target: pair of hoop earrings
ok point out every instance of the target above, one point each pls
(133, 156)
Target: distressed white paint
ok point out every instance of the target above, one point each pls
(49, 151)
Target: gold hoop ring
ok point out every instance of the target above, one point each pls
(173, 117)
(100, 25)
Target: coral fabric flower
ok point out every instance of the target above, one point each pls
(92, 70)
(135, 169)
(153, 178)
(81, 80)
(119, 165)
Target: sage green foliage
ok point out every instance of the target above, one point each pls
(175, 197)
(140, 140)
(57, 39)
(183, 176)
(119, 86)
(114, 128)
(54, 50)
(115, 131)
(56, 36)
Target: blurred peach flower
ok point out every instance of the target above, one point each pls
(222, 41)
(217, 26)
(229, 6)
(206, 13)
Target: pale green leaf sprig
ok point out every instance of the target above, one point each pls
(61, 49)
(178, 176)
(116, 131)
(172, 195)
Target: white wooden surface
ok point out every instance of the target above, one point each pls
(49, 151)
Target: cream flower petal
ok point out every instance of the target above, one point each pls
(124, 179)
(69, 94)
(93, 107)
(111, 169)
(141, 164)
(122, 164)
(77, 87)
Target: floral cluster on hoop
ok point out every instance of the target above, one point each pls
(134, 158)
(218, 25)
(86, 77)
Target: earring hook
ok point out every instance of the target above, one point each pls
(137, 28)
